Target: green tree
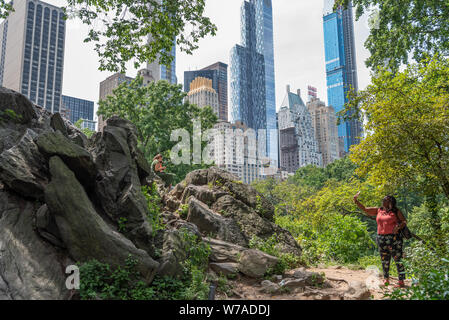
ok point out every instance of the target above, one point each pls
(89, 133)
(406, 143)
(156, 110)
(404, 29)
(142, 31)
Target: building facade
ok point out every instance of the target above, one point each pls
(298, 146)
(252, 74)
(341, 68)
(218, 73)
(106, 88)
(324, 122)
(76, 109)
(232, 148)
(202, 94)
(32, 42)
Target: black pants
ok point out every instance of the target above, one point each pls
(390, 246)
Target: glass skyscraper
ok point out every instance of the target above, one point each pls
(76, 109)
(32, 52)
(253, 98)
(341, 68)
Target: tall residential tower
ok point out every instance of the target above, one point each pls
(32, 52)
(341, 67)
(252, 74)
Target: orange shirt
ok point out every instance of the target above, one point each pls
(386, 221)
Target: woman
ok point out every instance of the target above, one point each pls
(158, 168)
(390, 221)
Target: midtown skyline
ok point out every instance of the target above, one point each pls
(298, 49)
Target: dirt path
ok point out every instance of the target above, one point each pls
(337, 283)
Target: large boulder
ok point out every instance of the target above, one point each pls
(83, 231)
(77, 158)
(30, 267)
(23, 169)
(227, 209)
(22, 107)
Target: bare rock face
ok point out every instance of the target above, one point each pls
(85, 234)
(61, 196)
(226, 209)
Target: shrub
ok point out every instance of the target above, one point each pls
(153, 204)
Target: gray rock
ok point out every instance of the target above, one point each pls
(255, 263)
(222, 251)
(357, 291)
(118, 183)
(57, 123)
(311, 278)
(225, 268)
(83, 231)
(30, 268)
(76, 158)
(18, 103)
(23, 169)
(173, 254)
(293, 284)
(270, 287)
(213, 224)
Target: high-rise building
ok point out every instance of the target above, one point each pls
(252, 74)
(341, 68)
(230, 149)
(76, 109)
(202, 94)
(298, 146)
(162, 72)
(218, 73)
(324, 122)
(106, 88)
(32, 52)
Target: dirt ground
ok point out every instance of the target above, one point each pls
(336, 284)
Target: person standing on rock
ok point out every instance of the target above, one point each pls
(390, 221)
(158, 169)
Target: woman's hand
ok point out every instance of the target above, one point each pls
(356, 196)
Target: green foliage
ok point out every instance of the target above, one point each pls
(404, 30)
(157, 109)
(433, 285)
(122, 224)
(99, 280)
(89, 133)
(153, 204)
(137, 31)
(184, 211)
(9, 115)
(406, 144)
(271, 246)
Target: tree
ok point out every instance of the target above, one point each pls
(406, 143)
(89, 133)
(142, 31)
(156, 110)
(404, 28)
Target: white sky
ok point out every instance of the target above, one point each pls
(298, 47)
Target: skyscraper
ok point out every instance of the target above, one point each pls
(298, 145)
(32, 52)
(76, 109)
(252, 74)
(341, 68)
(218, 73)
(202, 94)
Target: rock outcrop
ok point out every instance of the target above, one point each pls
(67, 199)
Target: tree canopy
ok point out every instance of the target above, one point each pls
(140, 31)
(404, 29)
(157, 109)
(406, 143)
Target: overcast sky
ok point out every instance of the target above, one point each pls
(298, 48)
